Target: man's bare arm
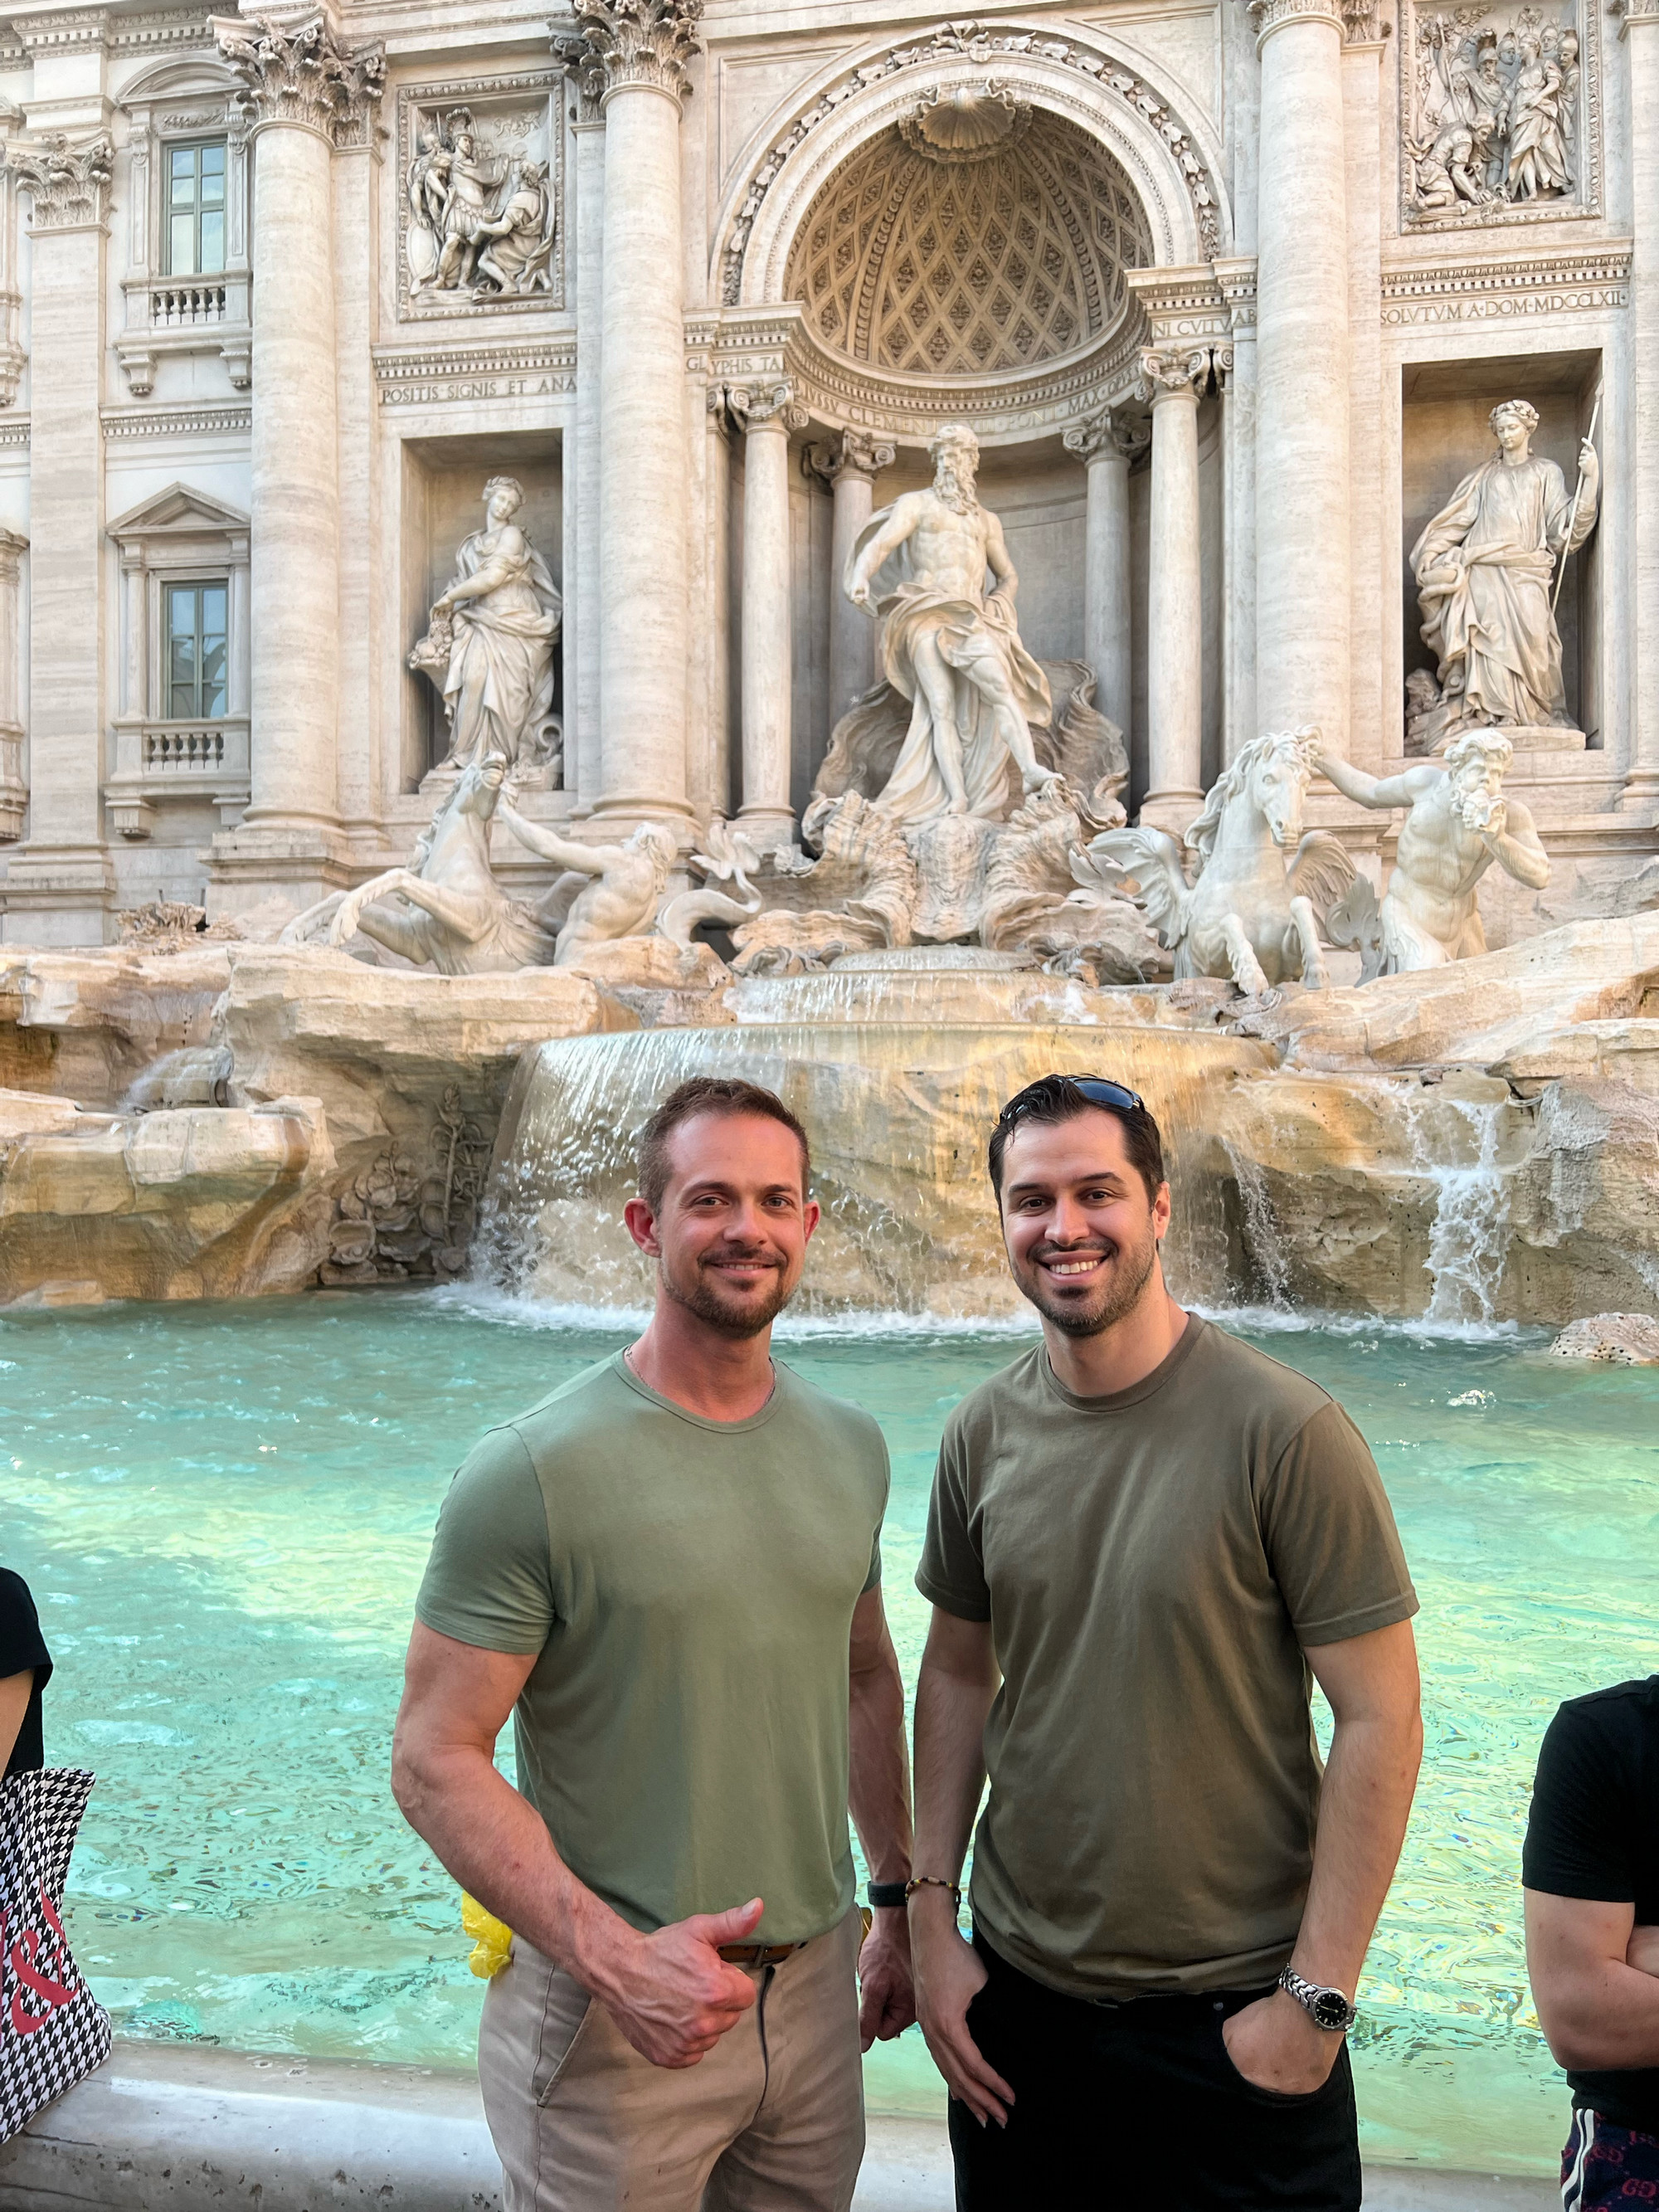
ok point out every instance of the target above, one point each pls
(563, 851)
(1378, 791)
(998, 560)
(886, 543)
(954, 1693)
(1596, 2005)
(879, 1794)
(1371, 1682)
(671, 1994)
(1518, 848)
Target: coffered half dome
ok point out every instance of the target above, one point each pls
(977, 236)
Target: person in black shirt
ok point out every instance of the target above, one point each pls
(1591, 1869)
(25, 1670)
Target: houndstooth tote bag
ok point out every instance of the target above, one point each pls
(53, 2030)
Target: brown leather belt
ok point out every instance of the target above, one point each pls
(758, 1954)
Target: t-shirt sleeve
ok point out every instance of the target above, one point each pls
(22, 1644)
(489, 1580)
(1582, 1830)
(951, 1573)
(1330, 1531)
(878, 1442)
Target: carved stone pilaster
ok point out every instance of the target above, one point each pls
(584, 72)
(1164, 374)
(304, 76)
(855, 453)
(642, 42)
(14, 794)
(69, 184)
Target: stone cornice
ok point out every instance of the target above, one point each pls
(436, 375)
(642, 42)
(1553, 281)
(177, 422)
(303, 77)
(69, 184)
(1183, 305)
(81, 31)
(1634, 12)
(1273, 15)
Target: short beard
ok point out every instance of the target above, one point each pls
(1120, 1296)
(701, 1299)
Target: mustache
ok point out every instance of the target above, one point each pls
(1105, 1247)
(757, 1257)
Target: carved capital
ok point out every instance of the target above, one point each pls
(69, 184)
(1362, 24)
(1273, 15)
(855, 454)
(584, 71)
(1105, 433)
(1175, 373)
(642, 42)
(765, 407)
(303, 76)
(1634, 12)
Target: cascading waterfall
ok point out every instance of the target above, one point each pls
(1264, 1240)
(1469, 1235)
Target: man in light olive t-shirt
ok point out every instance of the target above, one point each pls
(669, 1574)
(1144, 1538)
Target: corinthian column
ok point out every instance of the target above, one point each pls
(1640, 30)
(1106, 448)
(766, 416)
(58, 885)
(643, 47)
(304, 93)
(1174, 641)
(849, 466)
(1302, 371)
(581, 592)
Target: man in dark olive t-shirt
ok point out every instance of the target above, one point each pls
(25, 1670)
(1590, 1868)
(1145, 1539)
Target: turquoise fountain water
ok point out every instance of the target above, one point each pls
(224, 1511)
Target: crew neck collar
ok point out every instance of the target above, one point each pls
(755, 1420)
(1113, 1401)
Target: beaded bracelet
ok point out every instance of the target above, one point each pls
(934, 1882)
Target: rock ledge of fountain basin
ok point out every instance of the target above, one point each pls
(199, 1203)
(1618, 1340)
(158, 2126)
(1482, 1011)
(87, 1024)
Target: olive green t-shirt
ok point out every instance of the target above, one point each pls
(687, 1587)
(1151, 1564)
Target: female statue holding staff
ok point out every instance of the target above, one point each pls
(1484, 568)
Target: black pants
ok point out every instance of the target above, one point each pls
(1138, 2106)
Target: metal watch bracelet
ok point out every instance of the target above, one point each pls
(1327, 2008)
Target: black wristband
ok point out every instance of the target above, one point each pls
(886, 1896)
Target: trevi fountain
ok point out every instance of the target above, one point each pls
(885, 553)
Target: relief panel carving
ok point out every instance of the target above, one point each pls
(480, 174)
(1501, 110)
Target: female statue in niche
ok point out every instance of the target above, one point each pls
(1485, 567)
(489, 647)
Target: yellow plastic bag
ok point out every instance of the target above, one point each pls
(492, 1944)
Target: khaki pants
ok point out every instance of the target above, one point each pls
(772, 2117)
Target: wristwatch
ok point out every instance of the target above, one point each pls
(888, 1896)
(1327, 2008)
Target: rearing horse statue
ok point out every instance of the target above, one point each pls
(446, 908)
(1246, 914)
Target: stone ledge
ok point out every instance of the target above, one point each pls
(161, 2126)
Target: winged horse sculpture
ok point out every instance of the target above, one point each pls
(1248, 912)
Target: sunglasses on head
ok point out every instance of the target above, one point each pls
(1098, 1090)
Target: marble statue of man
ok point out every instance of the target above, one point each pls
(1458, 825)
(952, 649)
(1484, 569)
(504, 613)
(625, 886)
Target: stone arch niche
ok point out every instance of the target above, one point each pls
(1027, 140)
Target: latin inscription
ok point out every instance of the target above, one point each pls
(1513, 306)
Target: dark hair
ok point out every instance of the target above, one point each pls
(1055, 1099)
(708, 1094)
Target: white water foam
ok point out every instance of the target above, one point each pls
(1468, 1237)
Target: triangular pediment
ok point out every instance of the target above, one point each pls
(179, 511)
